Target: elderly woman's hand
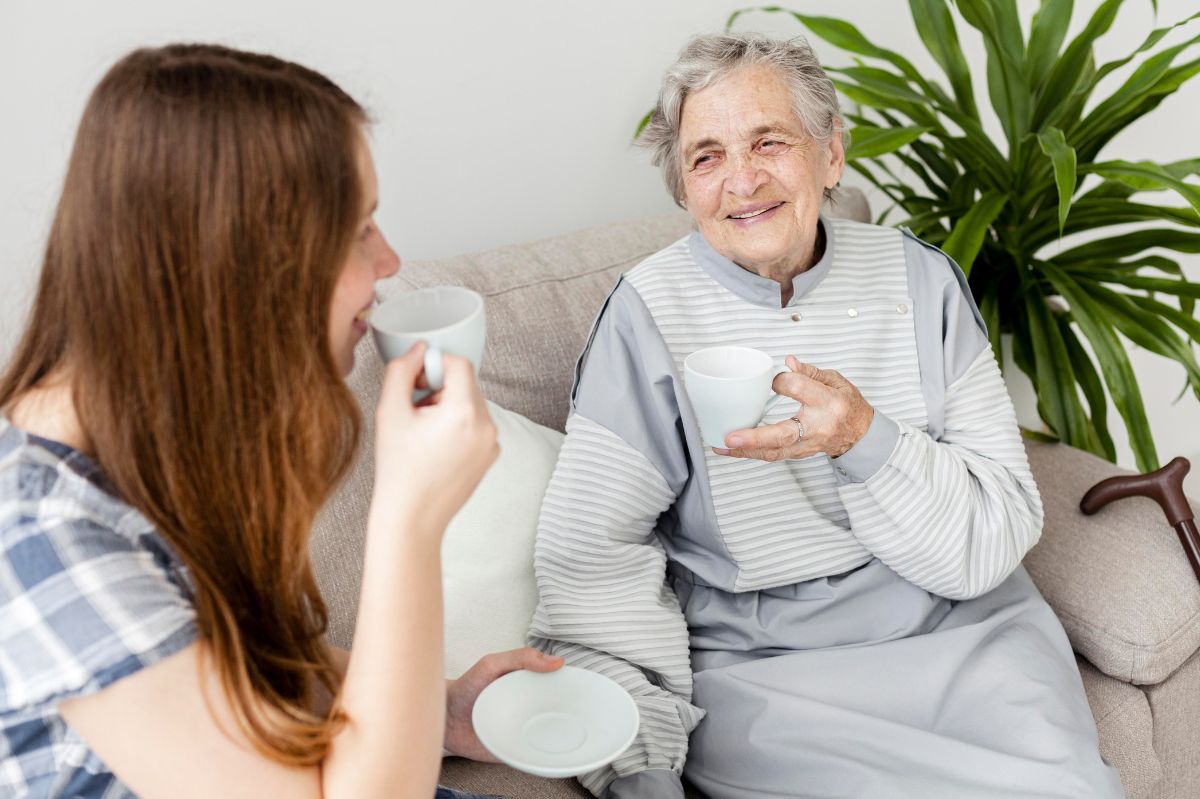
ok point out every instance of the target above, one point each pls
(834, 414)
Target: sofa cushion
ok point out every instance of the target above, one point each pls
(1119, 580)
(542, 298)
(493, 778)
(1175, 707)
(1125, 725)
(487, 553)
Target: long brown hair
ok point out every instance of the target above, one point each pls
(211, 198)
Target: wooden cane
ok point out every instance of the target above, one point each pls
(1164, 486)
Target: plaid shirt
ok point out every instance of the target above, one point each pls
(89, 593)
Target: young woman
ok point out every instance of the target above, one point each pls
(173, 418)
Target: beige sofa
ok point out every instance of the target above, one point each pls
(1119, 581)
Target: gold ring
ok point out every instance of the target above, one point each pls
(799, 427)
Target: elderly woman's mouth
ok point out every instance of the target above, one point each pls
(761, 211)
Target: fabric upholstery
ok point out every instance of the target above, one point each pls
(1137, 624)
(338, 541)
(1119, 580)
(1124, 722)
(542, 298)
(541, 301)
(1175, 706)
(487, 552)
(493, 778)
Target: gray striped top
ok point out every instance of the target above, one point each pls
(939, 489)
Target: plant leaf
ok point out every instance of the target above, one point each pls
(1038, 435)
(1178, 288)
(966, 237)
(989, 309)
(1090, 141)
(1126, 244)
(1114, 364)
(936, 28)
(1054, 144)
(888, 189)
(1154, 38)
(843, 35)
(1057, 394)
(874, 97)
(637, 134)
(1144, 175)
(1007, 83)
(1092, 215)
(978, 157)
(1093, 389)
(869, 142)
(1046, 35)
(1070, 71)
(939, 163)
(1147, 80)
(1147, 330)
(1186, 322)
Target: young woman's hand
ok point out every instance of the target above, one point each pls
(461, 694)
(430, 457)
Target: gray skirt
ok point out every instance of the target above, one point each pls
(863, 685)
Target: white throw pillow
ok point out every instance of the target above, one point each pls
(487, 553)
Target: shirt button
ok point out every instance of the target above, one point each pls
(841, 471)
(853, 312)
(796, 317)
(901, 309)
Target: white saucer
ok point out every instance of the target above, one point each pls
(561, 724)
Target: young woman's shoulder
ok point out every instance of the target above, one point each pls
(89, 592)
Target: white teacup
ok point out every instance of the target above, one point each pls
(729, 388)
(447, 318)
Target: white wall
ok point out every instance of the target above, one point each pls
(498, 122)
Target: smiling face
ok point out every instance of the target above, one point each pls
(753, 179)
(370, 259)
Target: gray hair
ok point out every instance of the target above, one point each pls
(709, 58)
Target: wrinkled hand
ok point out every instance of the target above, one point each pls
(462, 693)
(835, 417)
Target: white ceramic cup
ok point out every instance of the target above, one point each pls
(729, 388)
(447, 318)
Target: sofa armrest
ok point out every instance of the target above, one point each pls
(1119, 581)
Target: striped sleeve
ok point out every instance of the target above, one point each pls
(604, 604)
(954, 516)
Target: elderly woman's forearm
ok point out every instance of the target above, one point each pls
(604, 603)
(954, 516)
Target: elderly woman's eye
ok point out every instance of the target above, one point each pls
(702, 160)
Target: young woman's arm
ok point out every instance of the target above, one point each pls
(153, 728)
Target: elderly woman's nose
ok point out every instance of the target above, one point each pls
(746, 176)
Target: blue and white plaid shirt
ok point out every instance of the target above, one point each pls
(89, 593)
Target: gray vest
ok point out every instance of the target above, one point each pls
(781, 523)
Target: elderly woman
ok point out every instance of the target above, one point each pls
(832, 604)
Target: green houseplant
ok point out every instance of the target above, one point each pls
(1001, 209)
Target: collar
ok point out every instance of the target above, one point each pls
(754, 287)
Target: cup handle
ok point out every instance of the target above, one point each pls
(772, 397)
(435, 373)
